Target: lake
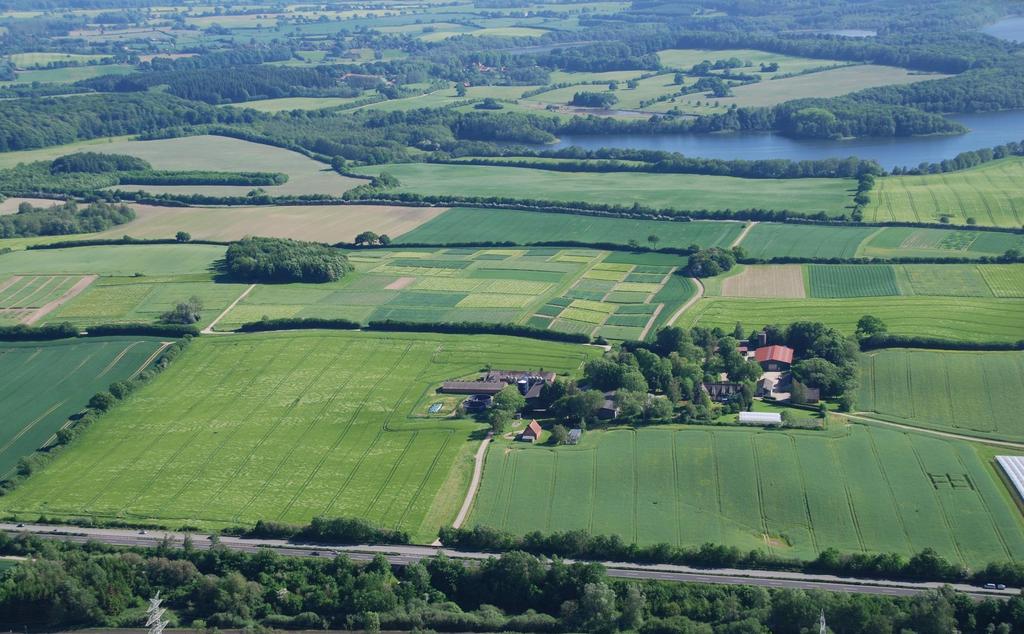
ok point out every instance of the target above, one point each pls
(986, 130)
(1011, 29)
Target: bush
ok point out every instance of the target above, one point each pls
(155, 330)
(350, 530)
(282, 260)
(40, 333)
(477, 328)
(298, 323)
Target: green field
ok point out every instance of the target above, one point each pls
(960, 318)
(43, 383)
(40, 60)
(286, 427)
(772, 240)
(70, 74)
(217, 153)
(976, 393)
(120, 260)
(483, 225)
(990, 194)
(851, 280)
(882, 491)
(676, 191)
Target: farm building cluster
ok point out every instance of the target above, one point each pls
(481, 391)
(776, 382)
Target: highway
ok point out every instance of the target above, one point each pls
(404, 555)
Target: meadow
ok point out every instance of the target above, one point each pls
(974, 393)
(321, 223)
(674, 191)
(296, 103)
(286, 427)
(771, 240)
(886, 491)
(569, 290)
(987, 195)
(46, 382)
(463, 224)
(25, 299)
(957, 318)
(217, 153)
(119, 260)
(69, 74)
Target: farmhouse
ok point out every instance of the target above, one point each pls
(803, 394)
(723, 391)
(760, 418)
(609, 409)
(531, 433)
(494, 381)
(774, 358)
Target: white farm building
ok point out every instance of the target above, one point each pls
(760, 418)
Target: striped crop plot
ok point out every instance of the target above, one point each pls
(851, 280)
(858, 489)
(988, 195)
(43, 383)
(25, 299)
(781, 280)
(286, 427)
(976, 393)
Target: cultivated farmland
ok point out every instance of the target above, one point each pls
(989, 194)
(676, 191)
(960, 319)
(535, 286)
(883, 491)
(286, 427)
(321, 223)
(483, 225)
(851, 280)
(127, 260)
(43, 383)
(26, 299)
(772, 240)
(217, 153)
(783, 280)
(978, 393)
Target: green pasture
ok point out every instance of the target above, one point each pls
(69, 74)
(974, 393)
(40, 60)
(120, 260)
(675, 191)
(286, 427)
(483, 225)
(791, 493)
(143, 299)
(772, 240)
(988, 195)
(956, 318)
(685, 58)
(296, 103)
(46, 382)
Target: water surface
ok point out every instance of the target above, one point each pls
(986, 130)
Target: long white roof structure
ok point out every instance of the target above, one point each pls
(1014, 468)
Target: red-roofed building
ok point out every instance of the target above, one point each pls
(774, 358)
(531, 433)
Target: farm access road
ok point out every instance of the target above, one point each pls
(404, 555)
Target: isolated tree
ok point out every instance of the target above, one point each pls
(460, 89)
(187, 312)
(869, 325)
(559, 434)
(384, 239)
(183, 236)
(509, 399)
(366, 237)
(653, 240)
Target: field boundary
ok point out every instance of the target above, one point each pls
(474, 483)
(209, 329)
(860, 416)
(690, 302)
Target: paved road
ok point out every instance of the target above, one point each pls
(404, 555)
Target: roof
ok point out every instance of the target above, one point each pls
(515, 375)
(574, 434)
(533, 429)
(781, 354)
(472, 387)
(760, 417)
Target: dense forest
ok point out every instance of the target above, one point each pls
(280, 260)
(66, 585)
(63, 219)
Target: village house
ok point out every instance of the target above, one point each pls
(609, 410)
(531, 433)
(723, 391)
(774, 358)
